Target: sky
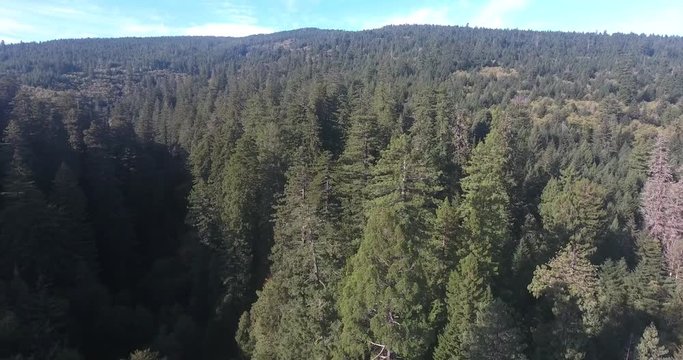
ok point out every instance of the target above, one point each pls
(41, 20)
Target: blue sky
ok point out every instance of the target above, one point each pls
(39, 20)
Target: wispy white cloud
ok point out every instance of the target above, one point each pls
(431, 16)
(661, 22)
(426, 15)
(11, 26)
(290, 5)
(11, 30)
(494, 13)
(53, 19)
(236, 19)
(138, 29)
(61, 11)
(232, 12)
(225, 29)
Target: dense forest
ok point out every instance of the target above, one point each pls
(410, 192)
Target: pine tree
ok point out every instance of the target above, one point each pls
(324, 104)
(383, 304)
(444, 245)
(485, 205)
(304, 221)
(29, 235)
(649, 289)
(240, 186)
(627, 82)
(571, 272)
(405, 182)
(527, 255)
(649, 348)
(103, 165)
(403, 179)
(571, 281)
(302, 128)
(614, 299)
(573, 210)
(387, 106)
(9, 86)
(270, 161)
(260, 123)
(294, 313)
(200, 158)
(614, 289)
(515, 123)
(423, 131)
(354, 172)
(72, 108)
(69, 205)
(41, 317)
(439, 258)
(452, 146)
(210, 295)
(495, 334)
(224, 212)
(468, 292)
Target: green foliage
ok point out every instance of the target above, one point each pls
(354, 172)
(145, 354)
(572, 283)
(468, 292)
(495, 334)
(243, 335)
(295, 310)
(649, 279)
(649, 348)
(614, 297)
(443, 247)
(383, 303)
(571, 273)
(485, 206)
(573, 210)
(627, 83)
(403, 178)
(330, 183)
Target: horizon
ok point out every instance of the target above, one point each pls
(603, 33)
(39, 21)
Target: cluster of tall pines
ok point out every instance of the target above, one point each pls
(411, 192)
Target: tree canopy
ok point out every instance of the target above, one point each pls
(409, 192)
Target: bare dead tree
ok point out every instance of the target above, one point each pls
(384, 351)
(662, 207)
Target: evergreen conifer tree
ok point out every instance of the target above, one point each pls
(649, 347)
(468, 292)
(383, 303)
(485, 206)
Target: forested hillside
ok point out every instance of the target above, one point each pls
(411, 192)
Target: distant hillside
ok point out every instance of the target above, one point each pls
(417, 53)
(410, 192)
